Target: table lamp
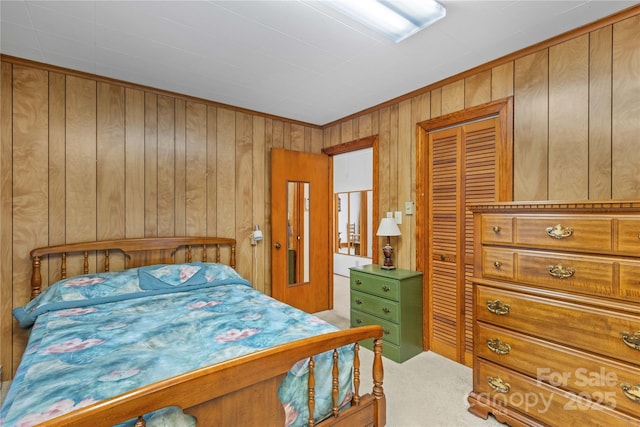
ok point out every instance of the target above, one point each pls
(388, 228)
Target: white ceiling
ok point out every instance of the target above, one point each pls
(294, 59)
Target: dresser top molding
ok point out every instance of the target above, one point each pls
(551, 206)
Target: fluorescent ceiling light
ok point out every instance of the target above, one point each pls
(396, 19)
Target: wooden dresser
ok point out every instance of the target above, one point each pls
(556, 308)
(393, 300)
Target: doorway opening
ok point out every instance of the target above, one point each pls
(354, 183)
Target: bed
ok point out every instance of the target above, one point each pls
(160, 331)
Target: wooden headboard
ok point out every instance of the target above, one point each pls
(137, 252)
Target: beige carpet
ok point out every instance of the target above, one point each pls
(427, 390)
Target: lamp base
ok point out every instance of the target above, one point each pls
(388, 267)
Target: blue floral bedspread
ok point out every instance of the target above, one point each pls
(99, 335)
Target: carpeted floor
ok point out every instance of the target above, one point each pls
(427, 390)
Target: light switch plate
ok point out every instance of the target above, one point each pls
(398, 217)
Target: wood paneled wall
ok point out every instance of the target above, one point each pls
(84, 158)
(576, 120)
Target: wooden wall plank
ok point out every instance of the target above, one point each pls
(346, 132)
(626, 108)
(531, 115)
(569, 120)
(134, 163)
(600, 42)
(453, 97)
(6, 220)
(502, 81)
(244, 187)
(166, 166)
(57, 170)
(384, 171)
(225, 173)
(150, 164)
(110, 162)
(364, 126)
(81, 172)
(477, 89)
(297, 138)
(405, 179)
(260, 183)
(212, 184)
(30, 181)
(196, 161)
(180, 142)
(316, 141)
(436, 102)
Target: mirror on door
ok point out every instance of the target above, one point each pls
(353, 223)
(298, 217)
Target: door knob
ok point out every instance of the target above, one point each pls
(276, 245)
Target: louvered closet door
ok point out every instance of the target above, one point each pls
(444, 231)
(479, 186)
(462, 170)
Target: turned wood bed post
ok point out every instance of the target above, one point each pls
(36, 277)
(378, 375)
(356, 374)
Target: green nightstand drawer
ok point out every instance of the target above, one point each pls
(380, 307)
(381, 286)
(391, 331)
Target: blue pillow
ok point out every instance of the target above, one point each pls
(168, 276)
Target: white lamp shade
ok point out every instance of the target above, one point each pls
(388, 227)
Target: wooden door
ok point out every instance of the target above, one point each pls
(466, 163)
(300, 213)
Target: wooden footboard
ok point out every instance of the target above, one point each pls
(244, 391)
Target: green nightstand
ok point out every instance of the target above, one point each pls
(393, 300)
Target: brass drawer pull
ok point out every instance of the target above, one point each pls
(386, 310)
(496, 229)
(386, 288)
(497, 307)
(559, 271)
(559, 232)
(358, 301)
(498, 384)
(358, 282)
(386, 331)
(497, 264)
(358, 321)
(632, 341)
(632, 392)
(498, 347)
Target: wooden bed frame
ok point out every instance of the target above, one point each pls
(238, 392)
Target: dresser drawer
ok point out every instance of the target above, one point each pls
(630, 280)
(375, 285)
(599, 330)
(629, 236)
(379, 307)
(559, 366)
(549, 405)
(566, 272)
(571, 232)
(498, 263)
(391, 331)
(497, 229)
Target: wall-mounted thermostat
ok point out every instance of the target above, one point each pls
(408, 208)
